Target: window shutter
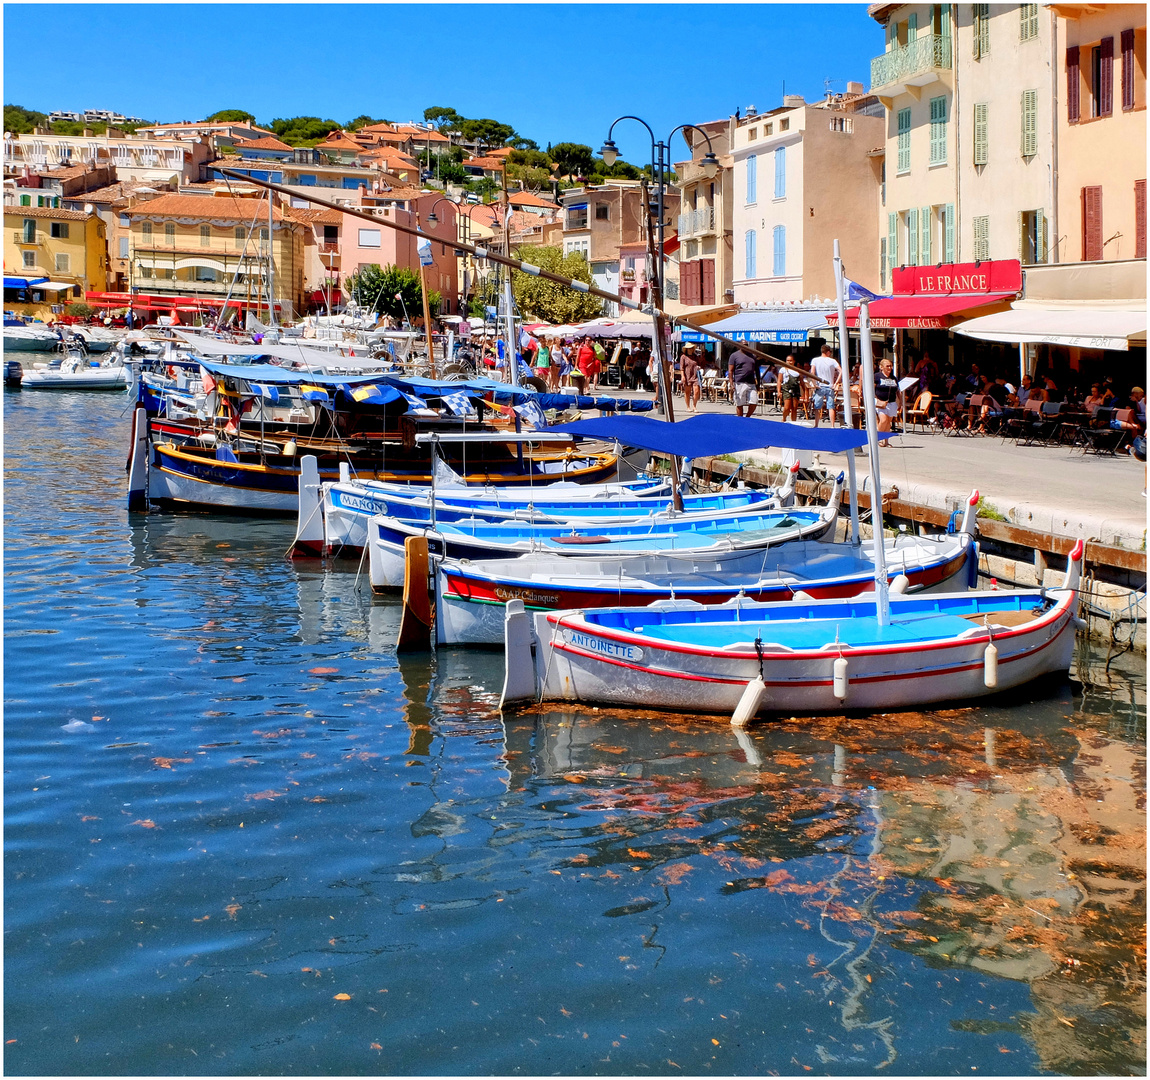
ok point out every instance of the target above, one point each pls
(708, 282)
(937, 130)
(1106, 90)
(781, 172)
(1029, 123)
(892, 240)
(981, 141)
(1127, 70)
(1139, 219)
(924, 237)
(981, 238)
(912, 237)
(904, 140)
(911, 27)
(752, 185)
(750, 261)
(1023, 246)
(949, 233)
(981, 30)
(1073, 85)
(1091, 223)
(1043, 238)
(780, 266)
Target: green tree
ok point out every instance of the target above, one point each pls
(443, 118)
(521, 143)
(541, 299)
(363, 121)
(533, 157)
(21, 121)
(303, 130)
(374, 288)
(534, 179)
(484, 187)
(488, 132)
(572, 159)
(232, 116)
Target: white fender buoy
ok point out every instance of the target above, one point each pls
(748, 705)
(899, 585)
(990, 666)
(802, 595)
(290, 448)
(842, 678)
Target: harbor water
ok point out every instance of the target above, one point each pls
(242, 837)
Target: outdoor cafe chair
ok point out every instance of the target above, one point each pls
(1017, 426)
(1116, 433)
(919, 413)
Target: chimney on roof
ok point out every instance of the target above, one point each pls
(855, 88)
(793, 101)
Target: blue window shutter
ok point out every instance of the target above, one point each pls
(750, 268)
(780, 237)
(781, 172)
(752, 193)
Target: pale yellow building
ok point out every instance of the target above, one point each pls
(59, 255)
(207, 246)
(1100, 54)
(969, 164)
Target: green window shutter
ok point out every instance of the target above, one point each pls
(1023, 244)
(924, 258)
(882, 267)
(949, 234)
(1029, 25)
(981, 238)
(981, 125)
(912, 237)
(1042, 236)
(892, 240)
(981, 30)
(904, 140)
(938, 130)
(25, 200)
(911, 28)
(1029, 123)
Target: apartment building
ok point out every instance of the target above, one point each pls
(601, 221)
(1100, 51)
(52, 256)
(706, 255)
(166, 160)
(969, 169)
(205, 246)
(803, 176)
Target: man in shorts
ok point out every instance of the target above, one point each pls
(826, 370)
(743, 377)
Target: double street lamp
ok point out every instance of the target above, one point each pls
(660, 165)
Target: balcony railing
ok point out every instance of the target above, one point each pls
(915, 64)
(328, 248)
(697, 221)
(20, 237)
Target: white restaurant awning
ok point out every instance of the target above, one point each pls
(54, 286)
(1093, 326)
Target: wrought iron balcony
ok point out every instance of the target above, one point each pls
(918, 63)
(698, 221)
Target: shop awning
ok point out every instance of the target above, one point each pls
(54, 286)
(771, 327)
(921, 312)
(1080, 327)
(22, 283)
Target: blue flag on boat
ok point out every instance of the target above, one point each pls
(532, 413)
(413, 402)
(458, 403)
(314, 393)
(856, 292)
(265, 391)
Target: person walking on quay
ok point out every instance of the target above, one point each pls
(886, 394)
(543, 362)
(689, 371)
(789, 390)
(743, 377)
(587, 363)
(826, 370)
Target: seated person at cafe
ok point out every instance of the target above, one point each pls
(1095, 399)
(993, 403)
(1138, 404)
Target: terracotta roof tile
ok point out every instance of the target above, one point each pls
(210, 206)
(494, 164)
(45, 212)
(529, 198)
(315, 215)
(266, 143)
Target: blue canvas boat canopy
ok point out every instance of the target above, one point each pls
(767, 327)
(713, 433)
(22, 282)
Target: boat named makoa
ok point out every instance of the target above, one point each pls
(470, 595)
(794, 658)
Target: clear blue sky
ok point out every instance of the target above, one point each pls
(555, 72)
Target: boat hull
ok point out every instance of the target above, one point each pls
(471, 597)
(581, 660)
(117, 378)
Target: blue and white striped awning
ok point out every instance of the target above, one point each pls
(769, 327)
(22, 283)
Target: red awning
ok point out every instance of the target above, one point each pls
(923, 312)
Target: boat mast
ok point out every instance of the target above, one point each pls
(881, 586)
(512, 353)
(844, 374)
(271, 267)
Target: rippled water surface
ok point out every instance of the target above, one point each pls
(241, 837)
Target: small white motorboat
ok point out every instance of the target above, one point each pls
(77, 372)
